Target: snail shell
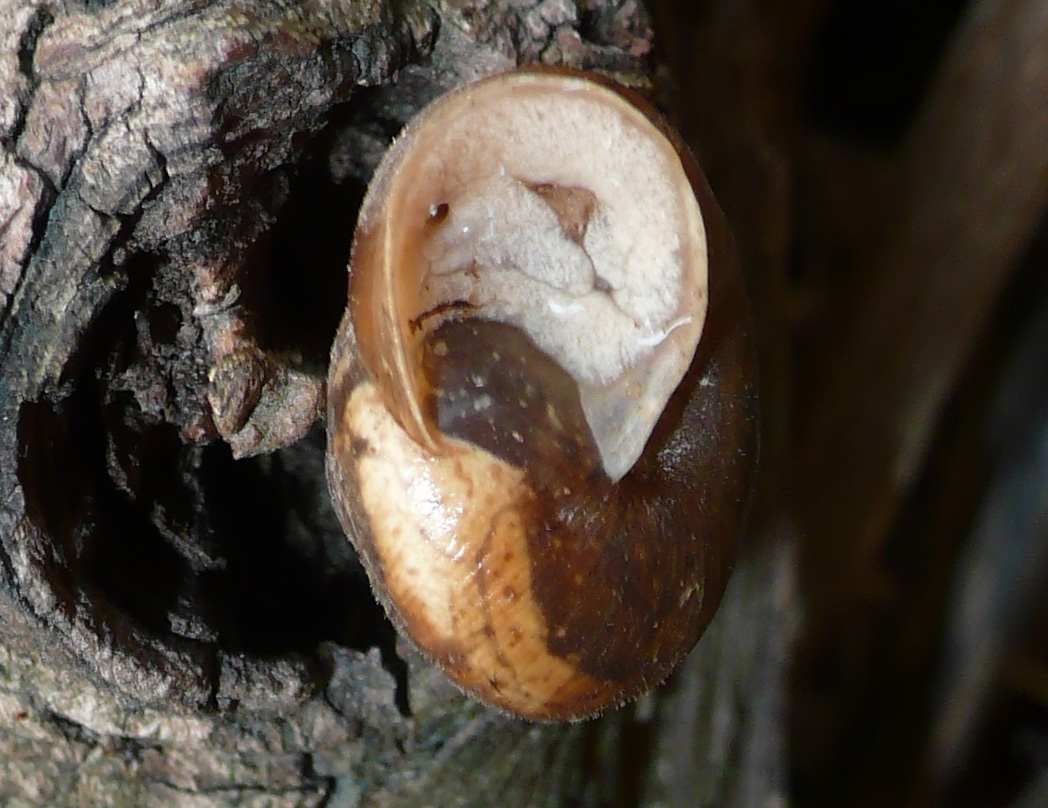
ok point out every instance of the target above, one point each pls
(541, 399)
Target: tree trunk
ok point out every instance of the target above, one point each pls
(182, 621)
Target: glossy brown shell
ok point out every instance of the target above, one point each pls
(567, 593)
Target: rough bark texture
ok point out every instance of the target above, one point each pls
(183, 623)
(181, 620)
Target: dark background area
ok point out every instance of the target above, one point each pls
(920, 677)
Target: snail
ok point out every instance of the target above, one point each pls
(542, 398)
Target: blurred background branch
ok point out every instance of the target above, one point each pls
(885, 169)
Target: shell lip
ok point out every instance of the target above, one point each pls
(621, 417)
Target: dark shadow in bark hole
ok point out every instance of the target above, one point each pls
(94, 468)
(301, 294)
(243, 554)
(101, 551)
(180, 542)
(289, 577)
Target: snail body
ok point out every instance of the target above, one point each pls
(541, 404)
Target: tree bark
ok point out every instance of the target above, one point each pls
(182, 621)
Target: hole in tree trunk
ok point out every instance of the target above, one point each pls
(152, 541)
